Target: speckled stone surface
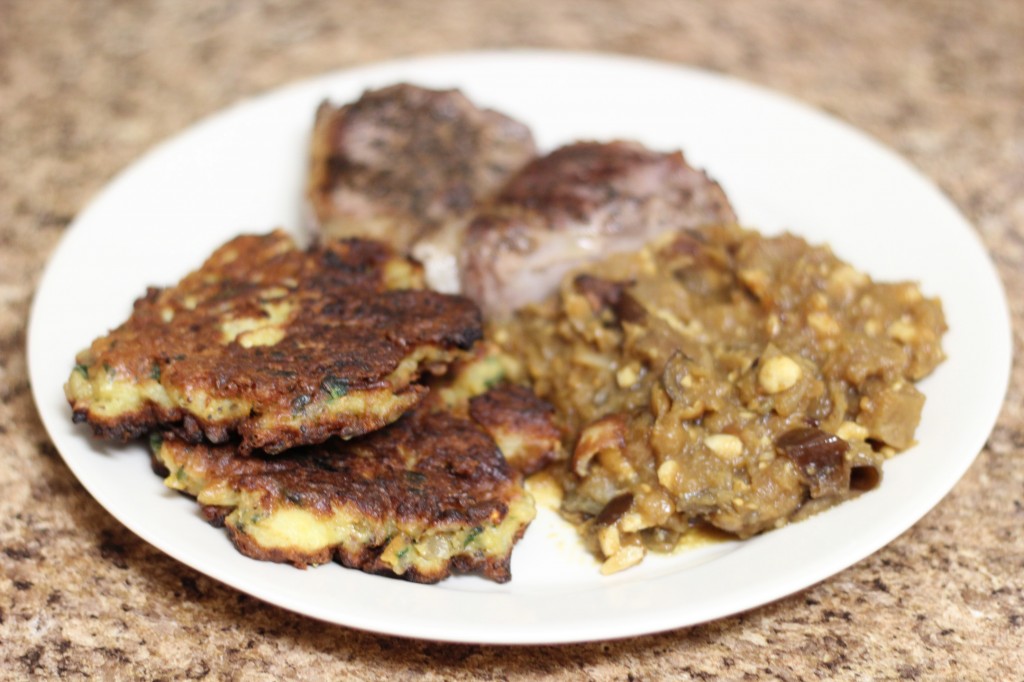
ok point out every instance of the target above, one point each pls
(86, 87)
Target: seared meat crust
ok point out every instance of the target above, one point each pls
(576, 205)
(281, 346)
(404, 160)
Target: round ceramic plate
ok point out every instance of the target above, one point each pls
(784, 165)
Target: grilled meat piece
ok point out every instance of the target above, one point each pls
(576, 205)
(278, 345)
(404, 161)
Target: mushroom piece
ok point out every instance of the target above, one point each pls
(819, 457)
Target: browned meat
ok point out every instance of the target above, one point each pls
(403, 161)
(577, 205)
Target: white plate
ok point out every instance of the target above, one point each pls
(784, 165)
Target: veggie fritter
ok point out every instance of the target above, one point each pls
(422, 498)
(522, 424)
(279, 345)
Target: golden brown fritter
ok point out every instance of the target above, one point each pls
(278, 345)
(522, 424)
(422, 498)
(480, 386)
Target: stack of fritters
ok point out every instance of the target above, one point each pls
(258, 378)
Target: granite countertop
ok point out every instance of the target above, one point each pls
(85, 88)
